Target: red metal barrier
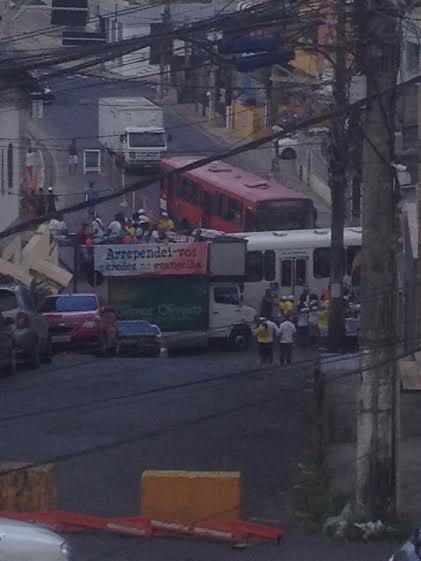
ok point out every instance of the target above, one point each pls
(231, 531)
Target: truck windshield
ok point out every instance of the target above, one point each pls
(146, 139)
(285, 215)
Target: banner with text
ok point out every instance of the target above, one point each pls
(151, 259)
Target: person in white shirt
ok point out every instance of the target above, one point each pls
(114, 227)
(286, 339)
(58, 227)
(98, 228)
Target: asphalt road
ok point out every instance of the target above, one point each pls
(104, 421)
(74, 114)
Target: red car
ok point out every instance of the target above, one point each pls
(79, 321)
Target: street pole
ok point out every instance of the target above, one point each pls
(163, 77)
(212, 79)
(338, 185)
(377, 431)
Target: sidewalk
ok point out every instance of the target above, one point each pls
(258, 160)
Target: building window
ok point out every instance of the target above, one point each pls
(10, 167)
(254, 266)
(412, 57)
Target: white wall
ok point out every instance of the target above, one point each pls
(11, 121)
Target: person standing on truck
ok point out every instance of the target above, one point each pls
(165, 224)
(266, 334)
(73, 159)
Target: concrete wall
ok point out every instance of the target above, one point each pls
(12, 122)
(249, 122)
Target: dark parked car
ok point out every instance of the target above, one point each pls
(30, 328)
(7, 346)
(139, 337)
(410, 550)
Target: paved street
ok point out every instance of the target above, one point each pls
(104, 421)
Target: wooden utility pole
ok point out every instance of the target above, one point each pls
(379, 30)
(338, 184)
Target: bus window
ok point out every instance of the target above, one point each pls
(300, 272)
(250, 221)
(321, 263)
(190, 192)
(235, 211)
(351, 252)
(286, 272)
(269, 265)
(254, 266)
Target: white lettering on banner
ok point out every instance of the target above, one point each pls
(157, 259)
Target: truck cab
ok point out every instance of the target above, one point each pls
(229, 319)
(143, 146)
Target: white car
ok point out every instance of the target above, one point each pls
(20, 541)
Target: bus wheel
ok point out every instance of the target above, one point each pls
(239, 339)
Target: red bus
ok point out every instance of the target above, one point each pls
(219, 196)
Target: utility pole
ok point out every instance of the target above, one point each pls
(380, 38)
(164, 47)
(212, 78)
(338, 184)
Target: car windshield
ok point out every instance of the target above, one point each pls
(146, 139)
(137, 328)
(8, 300)
(70, 304)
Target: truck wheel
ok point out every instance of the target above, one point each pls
(239, 339)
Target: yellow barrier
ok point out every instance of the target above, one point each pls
(27, 490)
(191, 496)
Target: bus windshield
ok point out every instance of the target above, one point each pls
(146, 139)
(285, 215)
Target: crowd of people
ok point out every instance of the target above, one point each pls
(305, 323)
(137, 229)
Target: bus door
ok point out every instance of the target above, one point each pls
(293, 275)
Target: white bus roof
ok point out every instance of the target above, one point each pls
(298, 238)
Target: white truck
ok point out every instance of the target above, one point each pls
(150, 282)
(133, 129)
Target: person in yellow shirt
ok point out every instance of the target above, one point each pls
(165, 224)
(286, 306)
(283, 306)
(266, 332)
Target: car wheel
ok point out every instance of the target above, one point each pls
(35, 359)
(10, 369)
(239, 339)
